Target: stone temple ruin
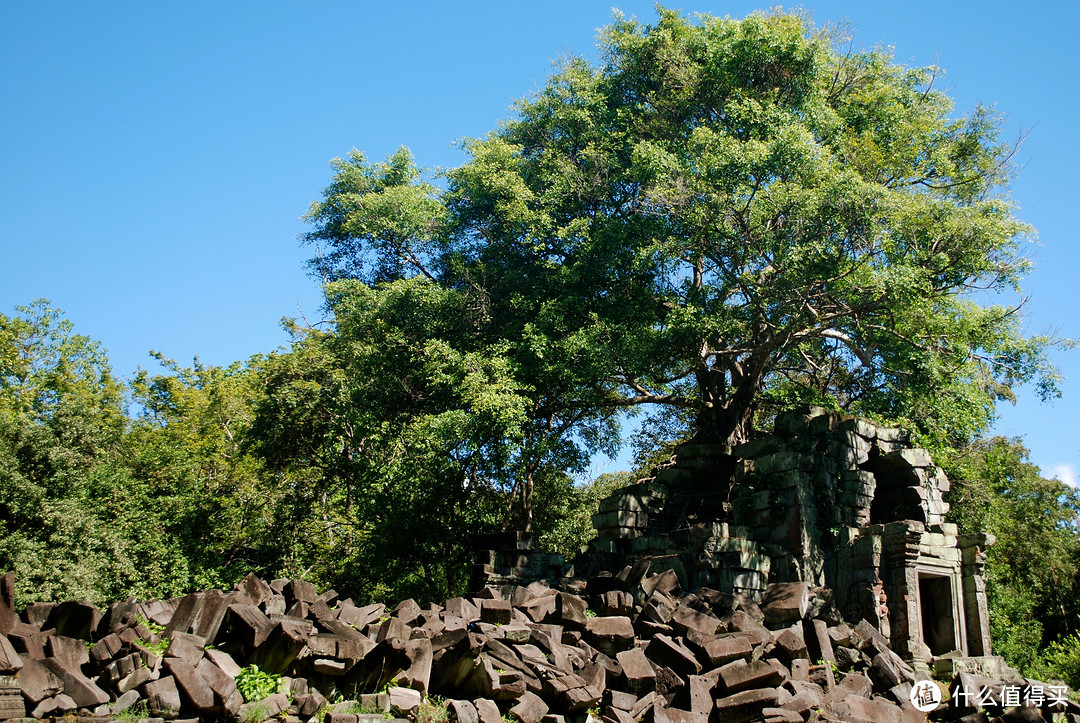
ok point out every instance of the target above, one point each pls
(828, 499)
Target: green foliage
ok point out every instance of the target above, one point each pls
(724, 217)
(136, 712)
(255, 714)
(1061, 661)
(255, 684)
(1031, 571)
(432, 710)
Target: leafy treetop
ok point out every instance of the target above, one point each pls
(723, 217)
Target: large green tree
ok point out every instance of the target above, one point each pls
(721, 217)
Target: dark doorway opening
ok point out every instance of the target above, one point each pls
(936, 610)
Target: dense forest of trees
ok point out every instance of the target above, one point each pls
(722, 219)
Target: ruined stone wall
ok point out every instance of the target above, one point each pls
(828, 499)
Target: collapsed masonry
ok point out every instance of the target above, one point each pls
(828, 499)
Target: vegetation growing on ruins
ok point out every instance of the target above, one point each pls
(722, 219)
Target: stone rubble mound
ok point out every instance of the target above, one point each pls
(590, 652)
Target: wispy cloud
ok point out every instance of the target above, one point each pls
(1064, 472)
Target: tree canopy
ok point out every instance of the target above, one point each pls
(722, 217)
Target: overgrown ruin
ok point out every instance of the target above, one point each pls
(807, 576)
(828, 499)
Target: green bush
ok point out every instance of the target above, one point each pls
(255, 684)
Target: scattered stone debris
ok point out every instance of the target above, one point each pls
(603, 650)
(804, 576)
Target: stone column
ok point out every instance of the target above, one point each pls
(976, 610)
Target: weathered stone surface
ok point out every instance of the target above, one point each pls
(818, 642)
(745, 706)
(570, 611)
(530, 708)
(82, 690)
(789, 645)
(723, 650)
(74, 619)
(738, 676)
(282, 645)
(462, 711)
(8, 618)
(220, 682)
(54, 707)
(610, 635)
(417, 675)
(192, 686)
(404, 700)
(498, 612)
(856, 709)
(685, 619)
(187, 647)
(668, 652)
(639, 674)
(163, 698)
(487, 711)
(9, 659)
(786, 602)
(883, 673)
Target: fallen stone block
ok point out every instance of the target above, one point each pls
(8, 618)
(82, 690)
(417, 673)
(124, 702)
(27, 639)
(789, 645)
(745, 706)
(54, 707)
(281, 647)
(224, 661)
(610, 634)
(163, 698)
(818, 643)
(724, 649)
(360, 617)
(487, 711)
(570, 611)
(192, 686)
(856, 709)
(309, 704)
(639, 674)
(12, 704)
(822, 676)
(10, 663)
(186, 647)
(883, 673)
(530, 708)
(781, 715)
(667, 652)
(785, 602)
(462, 711)
(496, 612)
(74, 619)
(701, 694)
(404, 700)
(220, 682)
(739, 676)
(686, 618)
(70, 652)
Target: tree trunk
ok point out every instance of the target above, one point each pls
(729, 418)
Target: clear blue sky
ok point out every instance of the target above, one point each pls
(157, 156)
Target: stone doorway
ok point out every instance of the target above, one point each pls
(938, 613)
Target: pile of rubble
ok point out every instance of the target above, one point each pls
(602, 650)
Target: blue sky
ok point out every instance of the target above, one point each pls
(157, 156)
